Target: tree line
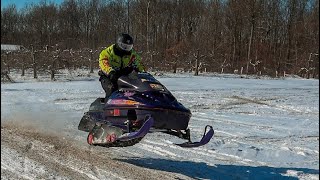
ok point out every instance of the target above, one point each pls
(230, 36)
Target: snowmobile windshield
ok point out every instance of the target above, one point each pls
(140, 82)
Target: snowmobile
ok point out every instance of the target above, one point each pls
(141, 105)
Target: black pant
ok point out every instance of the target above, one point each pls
(108, 86)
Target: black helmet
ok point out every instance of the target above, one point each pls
(125, 42)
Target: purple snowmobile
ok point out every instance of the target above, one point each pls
(141, 105)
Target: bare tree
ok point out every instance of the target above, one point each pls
(257, 35)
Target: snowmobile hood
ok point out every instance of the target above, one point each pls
(143, 91)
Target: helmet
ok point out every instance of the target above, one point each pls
(125, 42)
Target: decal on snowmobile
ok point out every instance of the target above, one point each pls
(122, 102)
(157, 87)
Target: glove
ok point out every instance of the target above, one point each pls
(113, 76)
(133, 75)
(125, 71)
(101, 73)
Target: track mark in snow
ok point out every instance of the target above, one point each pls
(159, 151)
(63, 157)
(301, 175)
(209, 155)
(233, 122)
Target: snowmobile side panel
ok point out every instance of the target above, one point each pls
(163, 118)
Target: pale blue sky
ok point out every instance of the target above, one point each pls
(21, 3)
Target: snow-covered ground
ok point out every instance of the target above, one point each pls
(264, 129)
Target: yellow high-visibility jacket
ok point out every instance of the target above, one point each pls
(109, 61)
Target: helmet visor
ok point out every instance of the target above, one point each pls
(125, 47)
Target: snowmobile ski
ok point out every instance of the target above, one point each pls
(204, 140)
(140, 133)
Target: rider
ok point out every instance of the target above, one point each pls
(117, 60)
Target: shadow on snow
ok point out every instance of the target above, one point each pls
(200, 170)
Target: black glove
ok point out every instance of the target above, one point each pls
(101, 73)
(125, 71)
(133, 75)
(114, 76)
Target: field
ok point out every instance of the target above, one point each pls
(264, 129)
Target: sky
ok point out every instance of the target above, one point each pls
(22, 3)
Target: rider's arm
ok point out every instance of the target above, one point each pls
(137, 63)
(104, 61)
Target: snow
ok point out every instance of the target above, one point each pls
(264, 128)
(10, 47)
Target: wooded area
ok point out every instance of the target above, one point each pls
(263, 37)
